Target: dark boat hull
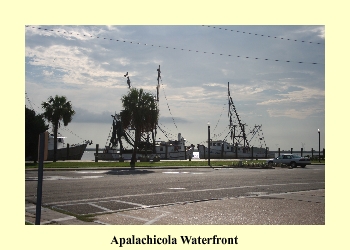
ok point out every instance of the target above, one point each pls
(75, 153)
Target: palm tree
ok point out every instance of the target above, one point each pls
(140, 113)
(57, 109)
(34, 126)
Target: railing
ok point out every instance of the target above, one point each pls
(313, 154)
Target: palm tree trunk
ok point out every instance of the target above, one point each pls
(154, 143)
(136, 143)
(55, 141)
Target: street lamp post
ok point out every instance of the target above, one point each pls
(208, 143)
(319, 146)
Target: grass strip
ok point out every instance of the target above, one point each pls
(104, 164)
(77, 164)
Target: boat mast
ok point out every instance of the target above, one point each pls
(158, 83)
(154, 134)
(242, 133)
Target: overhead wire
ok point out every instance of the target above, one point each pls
(262, 35)
(30, 103)
(182, 49)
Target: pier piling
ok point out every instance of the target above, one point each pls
(96, 155)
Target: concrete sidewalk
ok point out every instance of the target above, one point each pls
(294, 208)
(51, 217)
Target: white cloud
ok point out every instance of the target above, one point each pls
(47, 73)
(215, 85)
(293, 113)
(123, 61)
(299, 96)
(319, 30)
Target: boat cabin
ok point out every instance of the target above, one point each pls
(227, 147)
(60, 141)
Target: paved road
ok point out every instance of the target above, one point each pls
(184, 196)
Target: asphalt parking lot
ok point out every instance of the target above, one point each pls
(182, 197)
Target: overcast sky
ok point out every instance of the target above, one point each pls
(276, 76)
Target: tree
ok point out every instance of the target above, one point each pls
(57, 109)
(34, 126)
(140, 113)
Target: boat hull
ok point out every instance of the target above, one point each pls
(75, 153)
(180, 155)
(249, 153)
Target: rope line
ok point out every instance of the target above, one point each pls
(223, 108)
(167, 103)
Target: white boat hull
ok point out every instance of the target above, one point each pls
(229, 152)
(110, 156)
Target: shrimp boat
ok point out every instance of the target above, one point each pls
(220, 149)
(121, 142)
(64, 151)
(120, 147)
(239, 144)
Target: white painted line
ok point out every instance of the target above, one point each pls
(156, 219)
(91, 177)
(180, 173)
(92, 172)
(131, 203)
(65, 218)
(60, 178)
(103, 208)
(133, 217)
(59, 219)
(100, 222)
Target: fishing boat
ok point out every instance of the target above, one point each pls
(239, 145)
(121, 142)
(220, 149)
(64, 151)
(147, 151)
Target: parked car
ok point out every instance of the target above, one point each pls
(290, 160)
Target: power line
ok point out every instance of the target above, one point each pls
(31, 103)
(255, 34)
(173, 48)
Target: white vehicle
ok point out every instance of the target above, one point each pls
(290, 160)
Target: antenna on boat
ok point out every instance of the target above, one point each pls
(128, 81)
(158, 83)
(154, 134)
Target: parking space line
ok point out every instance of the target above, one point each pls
(103, 208)
(133, 217)
(156, 219)
(131, 203)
